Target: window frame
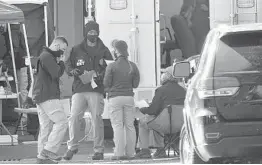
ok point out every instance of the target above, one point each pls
(245, 6)
(112, 8)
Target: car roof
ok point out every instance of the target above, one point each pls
(239, 28)
(192, 57)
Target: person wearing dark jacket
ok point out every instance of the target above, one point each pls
(87, 65)
(120, 79)
(170, 93)
(46, 95)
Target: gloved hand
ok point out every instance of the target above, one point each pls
(75, 72)
(98, 80)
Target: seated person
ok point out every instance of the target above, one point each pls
(170, 93)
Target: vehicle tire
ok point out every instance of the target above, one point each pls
(187, 152)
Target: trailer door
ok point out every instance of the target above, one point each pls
(134, 22)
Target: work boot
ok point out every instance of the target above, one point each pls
(69, 154)
(50, 155)
(98, 156)
(160, 153)
(145, 153)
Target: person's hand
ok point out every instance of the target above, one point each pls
(64, 57)
(87, 76)
(101, 62)
(143, 109)
(189, 23)
(58, 59)
(92, 72)
(75, 72)
(204, 7)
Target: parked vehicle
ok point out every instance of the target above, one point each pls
(223, 105)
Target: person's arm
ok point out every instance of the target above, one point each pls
(136, 77)
(156, 104)
(70, 63)
(102, 64)
(108, 55)
(108, 79)
(62, 68)
(49, 65)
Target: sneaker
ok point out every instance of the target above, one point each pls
(45, 161)
(160, 153)
(69, 154)
(143, 154)
(50, 155)
(98, 156)
(121, 158)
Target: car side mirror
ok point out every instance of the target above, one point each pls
(181, 69)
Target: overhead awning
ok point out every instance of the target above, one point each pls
(10, 13)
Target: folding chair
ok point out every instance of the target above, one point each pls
(169, 122)
(22, 111)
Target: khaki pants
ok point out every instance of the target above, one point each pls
(53, 125)
(121, 112)
(94, 102)
(145, 132)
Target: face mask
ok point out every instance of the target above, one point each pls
(92, 38)
(58, 53)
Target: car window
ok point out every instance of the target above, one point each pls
(205, 51)
(240, 51)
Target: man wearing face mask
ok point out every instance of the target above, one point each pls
(46, 95)
(87, 57)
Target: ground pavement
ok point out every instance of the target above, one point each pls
(26, 151)
(25, 154)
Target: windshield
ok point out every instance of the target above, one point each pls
(241, 51)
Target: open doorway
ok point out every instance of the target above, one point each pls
(183, 29)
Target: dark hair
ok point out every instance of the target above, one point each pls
(62, 39)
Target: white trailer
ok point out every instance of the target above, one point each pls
(141, 24)
(137, 22)
(234, 12)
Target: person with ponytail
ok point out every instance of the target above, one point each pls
(120, 78)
